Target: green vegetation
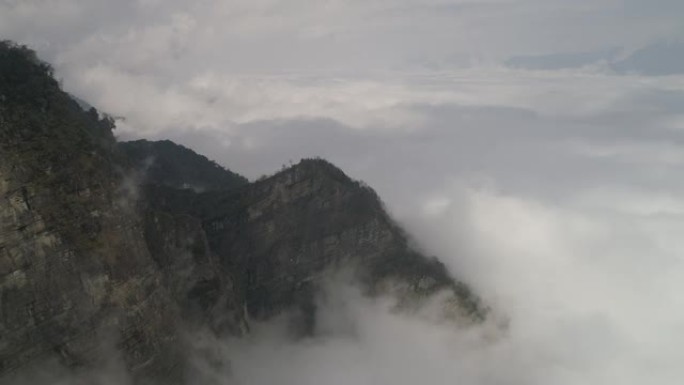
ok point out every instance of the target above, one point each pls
(60, 151)
(169, 164)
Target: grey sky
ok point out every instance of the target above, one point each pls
(276, 35)
(555, 190)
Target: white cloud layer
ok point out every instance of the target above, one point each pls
(556, 194)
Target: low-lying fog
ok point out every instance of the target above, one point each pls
(556, 193)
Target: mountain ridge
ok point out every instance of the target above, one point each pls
(174, 165)
(85, 256)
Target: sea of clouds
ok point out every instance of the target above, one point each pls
(557, 195)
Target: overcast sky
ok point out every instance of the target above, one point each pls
(536, 146)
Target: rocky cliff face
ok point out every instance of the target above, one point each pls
(74, 266)
(86, 256)
(281, 237)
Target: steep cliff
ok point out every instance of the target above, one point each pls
(137, 243)
(74, 266)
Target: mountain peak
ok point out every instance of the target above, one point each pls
(310, 167)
